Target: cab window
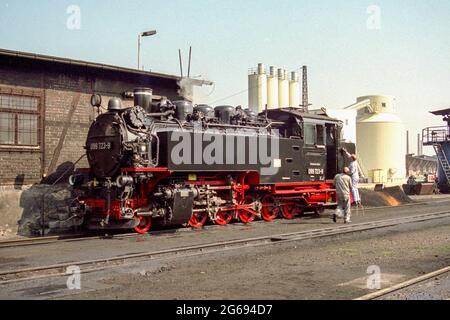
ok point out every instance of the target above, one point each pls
(320, 135)
(330, 135)
(310, 134)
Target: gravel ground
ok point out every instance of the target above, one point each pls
(328, 268)
(434, 289)
(333, 268)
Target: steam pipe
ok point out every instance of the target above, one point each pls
(161, 114)
(238, 126)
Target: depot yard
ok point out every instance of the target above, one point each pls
(332, 267)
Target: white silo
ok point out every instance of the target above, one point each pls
(272, 89)
(294, 91)
(257, 87)
(380, 139)
(283, 89)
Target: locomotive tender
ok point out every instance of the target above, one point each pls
(175, 164)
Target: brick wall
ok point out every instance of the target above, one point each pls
(58, 87)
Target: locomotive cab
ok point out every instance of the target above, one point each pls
(309, 147)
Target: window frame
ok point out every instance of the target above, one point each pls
(320, 134)
(40, 119)
(313, 126)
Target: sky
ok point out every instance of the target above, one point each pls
(401, 49)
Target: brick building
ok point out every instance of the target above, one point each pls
(45, 111)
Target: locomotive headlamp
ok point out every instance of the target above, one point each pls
(96, 100)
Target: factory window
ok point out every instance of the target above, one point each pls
(19, 120)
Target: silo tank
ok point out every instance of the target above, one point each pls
(381, 146)
(257, 83)
(294, 91)
(272, 89)
(283, 89)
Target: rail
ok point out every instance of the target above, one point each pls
(404, 285)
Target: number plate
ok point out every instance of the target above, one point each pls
(100, 146)
(313, 171)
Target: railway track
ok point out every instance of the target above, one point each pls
(75, 238)
(84, 237)
(401, 286)
(34, 273)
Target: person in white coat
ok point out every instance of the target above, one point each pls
(354, 173)
(343, 184)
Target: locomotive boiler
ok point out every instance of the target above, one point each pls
(173, 163)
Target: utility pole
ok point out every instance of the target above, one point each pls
(407, 142)
(418, 145)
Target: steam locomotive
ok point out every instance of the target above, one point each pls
(173, 163)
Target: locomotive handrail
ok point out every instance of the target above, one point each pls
(223, 125)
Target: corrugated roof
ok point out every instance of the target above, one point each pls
(40, 57)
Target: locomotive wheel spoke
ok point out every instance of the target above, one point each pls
(247, 215)
(144, 225)
(224, 217)
(198, 220)
(289, 211)
(270, 211)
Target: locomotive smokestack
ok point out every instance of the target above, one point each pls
(143, 97)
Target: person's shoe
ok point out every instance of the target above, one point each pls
(334, 218)
(348, 221)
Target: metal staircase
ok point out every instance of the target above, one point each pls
(443, 160)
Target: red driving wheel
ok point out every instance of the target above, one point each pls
(289, 211)
(144, 225)
(198, 219)
(270, 211)
(248, 215)
(224, 217)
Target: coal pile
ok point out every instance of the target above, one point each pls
(46, 210)
(392, 196)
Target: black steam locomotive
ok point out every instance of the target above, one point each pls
(173, 163)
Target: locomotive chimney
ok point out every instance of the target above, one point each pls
(143, 97)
